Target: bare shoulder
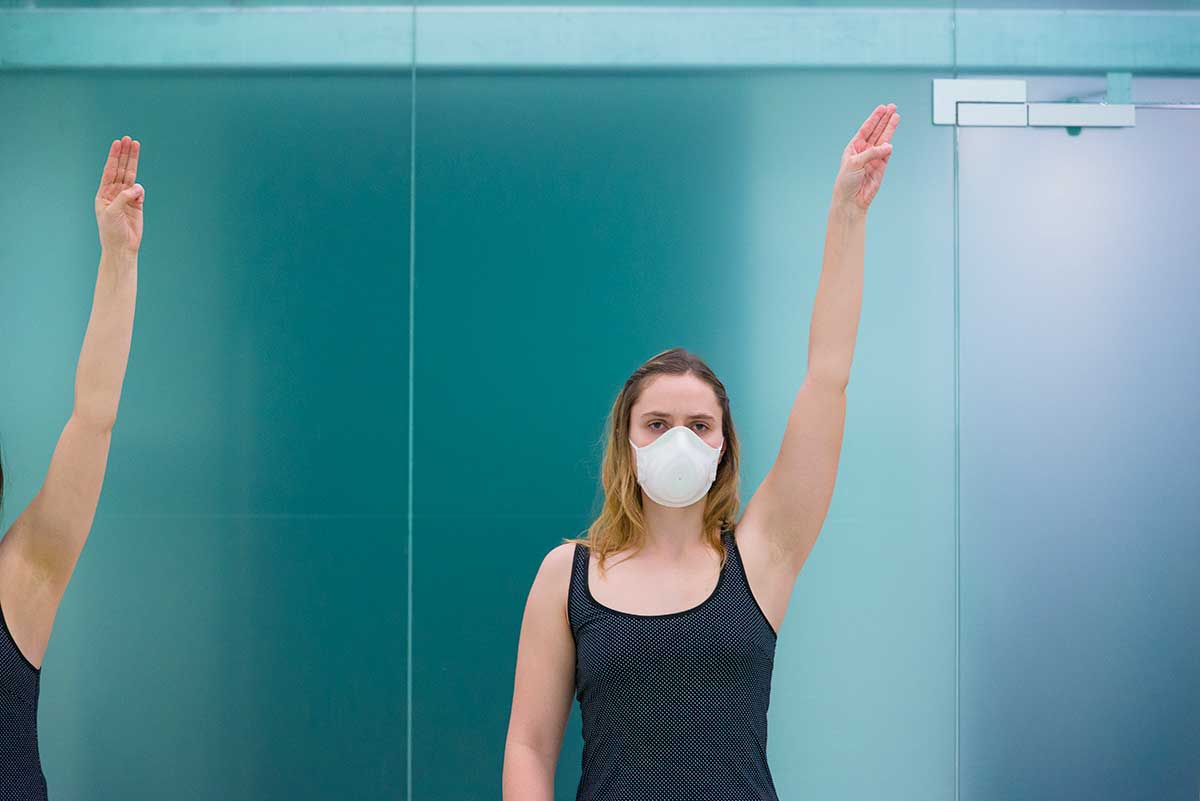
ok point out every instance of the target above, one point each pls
(556, 572)
(548, 594)
(560, 556)
(556, 564)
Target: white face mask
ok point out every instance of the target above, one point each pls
(677, 468)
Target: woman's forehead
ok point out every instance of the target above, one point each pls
(679, 395)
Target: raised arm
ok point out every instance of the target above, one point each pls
(790, 505)
(40, 549)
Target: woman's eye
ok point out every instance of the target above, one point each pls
(659, 422)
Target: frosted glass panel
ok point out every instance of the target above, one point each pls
(1080, 373)
(569, 226)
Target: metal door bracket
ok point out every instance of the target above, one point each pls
(1001, 102)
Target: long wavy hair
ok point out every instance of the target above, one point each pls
(621, 523)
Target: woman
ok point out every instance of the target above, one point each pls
(671, 655)
(40, 549)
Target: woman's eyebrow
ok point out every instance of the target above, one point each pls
(693, 416)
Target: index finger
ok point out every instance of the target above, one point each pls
(109, 175)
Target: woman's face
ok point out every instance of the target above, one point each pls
(676, 400)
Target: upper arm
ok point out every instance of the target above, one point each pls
(790, 505)
(52, 530)
(545, 675)
(39, 551)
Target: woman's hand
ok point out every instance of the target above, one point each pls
(119, 200)
(865, 159)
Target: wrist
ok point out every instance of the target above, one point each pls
(847, 211)
(117, 259)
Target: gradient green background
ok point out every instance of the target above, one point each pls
(382, 314)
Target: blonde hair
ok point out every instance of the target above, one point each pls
(621, 522)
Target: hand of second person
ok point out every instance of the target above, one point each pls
(864, 160)
(119, 200)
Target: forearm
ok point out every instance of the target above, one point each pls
(838, 302)
(105, 353)
(527, 774)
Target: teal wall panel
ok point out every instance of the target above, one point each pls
(569, 227)
(237, 626)
(230, 657)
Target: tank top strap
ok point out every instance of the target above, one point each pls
(578, 566)
(577, 601)
(745, 593)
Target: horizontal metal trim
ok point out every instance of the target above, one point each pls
(1092, 115)
(1073, 40)
(537, 37)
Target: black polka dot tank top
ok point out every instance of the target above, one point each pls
(21, 777)
(674, 705)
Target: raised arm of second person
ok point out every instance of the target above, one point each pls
(39, 551)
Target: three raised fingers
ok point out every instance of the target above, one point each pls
(121, 166)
